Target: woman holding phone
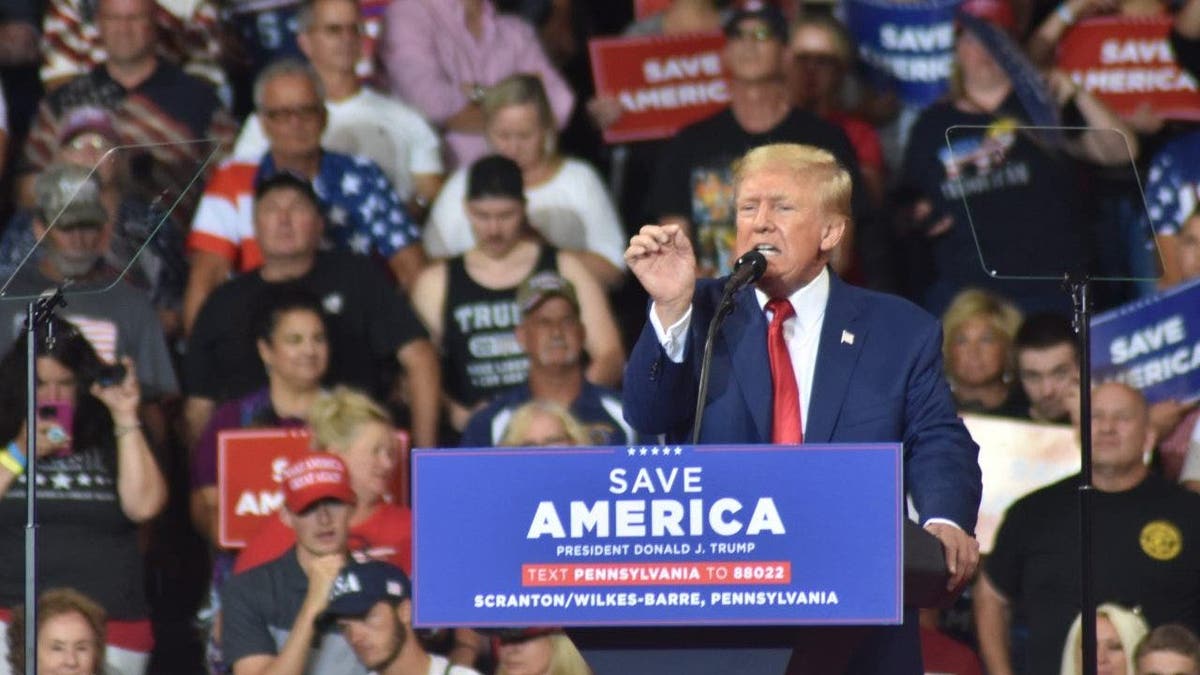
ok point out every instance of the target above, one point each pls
(97, 481)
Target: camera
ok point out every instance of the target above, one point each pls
(110, 375)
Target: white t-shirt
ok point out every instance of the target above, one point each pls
(372, 125)
(440, 665)
(572, 210)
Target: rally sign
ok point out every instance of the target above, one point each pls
(1127, 61)
(1016, 458)
(662, 83)
(907, 46)
(1152, 344)
(250, 464)
(756, 534)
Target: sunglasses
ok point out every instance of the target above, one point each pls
(756, 34)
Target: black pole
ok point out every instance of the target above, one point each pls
(37, 313)
(1080, 298)
(706, 363)
(31, 313)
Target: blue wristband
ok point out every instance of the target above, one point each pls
(15, 451)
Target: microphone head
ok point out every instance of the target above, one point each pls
(757, 263)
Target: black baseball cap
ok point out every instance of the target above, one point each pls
(360, 585)
(289, 180)
(762, 10)
(495, 176)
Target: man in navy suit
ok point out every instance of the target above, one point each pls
(866, 367)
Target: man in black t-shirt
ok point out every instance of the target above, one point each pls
(693, 181)
(371, 328)
(1145, 530)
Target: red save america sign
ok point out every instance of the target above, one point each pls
(1127, 61)
(250, 464)
(662, 83)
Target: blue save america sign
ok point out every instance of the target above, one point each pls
(907, 46)
(755, 534)
(1152, 344)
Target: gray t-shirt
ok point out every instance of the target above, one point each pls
(118, 322)
(258, 609)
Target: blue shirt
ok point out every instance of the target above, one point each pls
(363, 213)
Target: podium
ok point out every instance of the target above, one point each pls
(665, 559)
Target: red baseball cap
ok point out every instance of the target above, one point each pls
(317, 476)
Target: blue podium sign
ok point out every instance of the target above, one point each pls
(1152, 344)
(623, 536)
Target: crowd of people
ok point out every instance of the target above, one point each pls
(375, 219)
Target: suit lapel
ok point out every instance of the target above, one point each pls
(842, 338)
(745, 337)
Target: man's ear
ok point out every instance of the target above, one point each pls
(521, 336)
(832, 232)
(404, 612)
(287, 518)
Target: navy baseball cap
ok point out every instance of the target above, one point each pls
(360, 585)
(763, 10)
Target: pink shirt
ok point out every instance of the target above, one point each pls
(429, 55)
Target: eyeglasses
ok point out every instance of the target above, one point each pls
(818, 60)
(757, 34)
(88, 141)
(341, 29)
(299, 112)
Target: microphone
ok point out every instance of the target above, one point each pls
(748, 269)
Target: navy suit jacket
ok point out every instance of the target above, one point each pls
(878, 378)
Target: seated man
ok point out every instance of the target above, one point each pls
(468, 303)
(118, 321)
(551, 335)
(269, 613)
(1170, 649)
(153, 102)
(371, 329)
(362, 121)
(372, 605)
(365, 214)
(1142, 524)
(1047, 365)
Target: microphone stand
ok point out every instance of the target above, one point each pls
(723, 311)
(37, 313)
(1081, 302)
(748, 269)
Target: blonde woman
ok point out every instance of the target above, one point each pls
(543, 423)
(567, 202)
(539, 653)
(1118, 632)
(351, 425)
(978, 329)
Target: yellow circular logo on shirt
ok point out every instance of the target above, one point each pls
(1161, 540)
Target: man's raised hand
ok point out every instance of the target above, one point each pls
(661, 258)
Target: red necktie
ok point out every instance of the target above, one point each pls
(786, 428)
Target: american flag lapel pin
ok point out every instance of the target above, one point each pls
(847, 337)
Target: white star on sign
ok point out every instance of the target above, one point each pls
(61, 481)
(84, 480)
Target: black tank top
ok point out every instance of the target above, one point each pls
(480, 354)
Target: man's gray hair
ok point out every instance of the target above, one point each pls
(286, 66)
